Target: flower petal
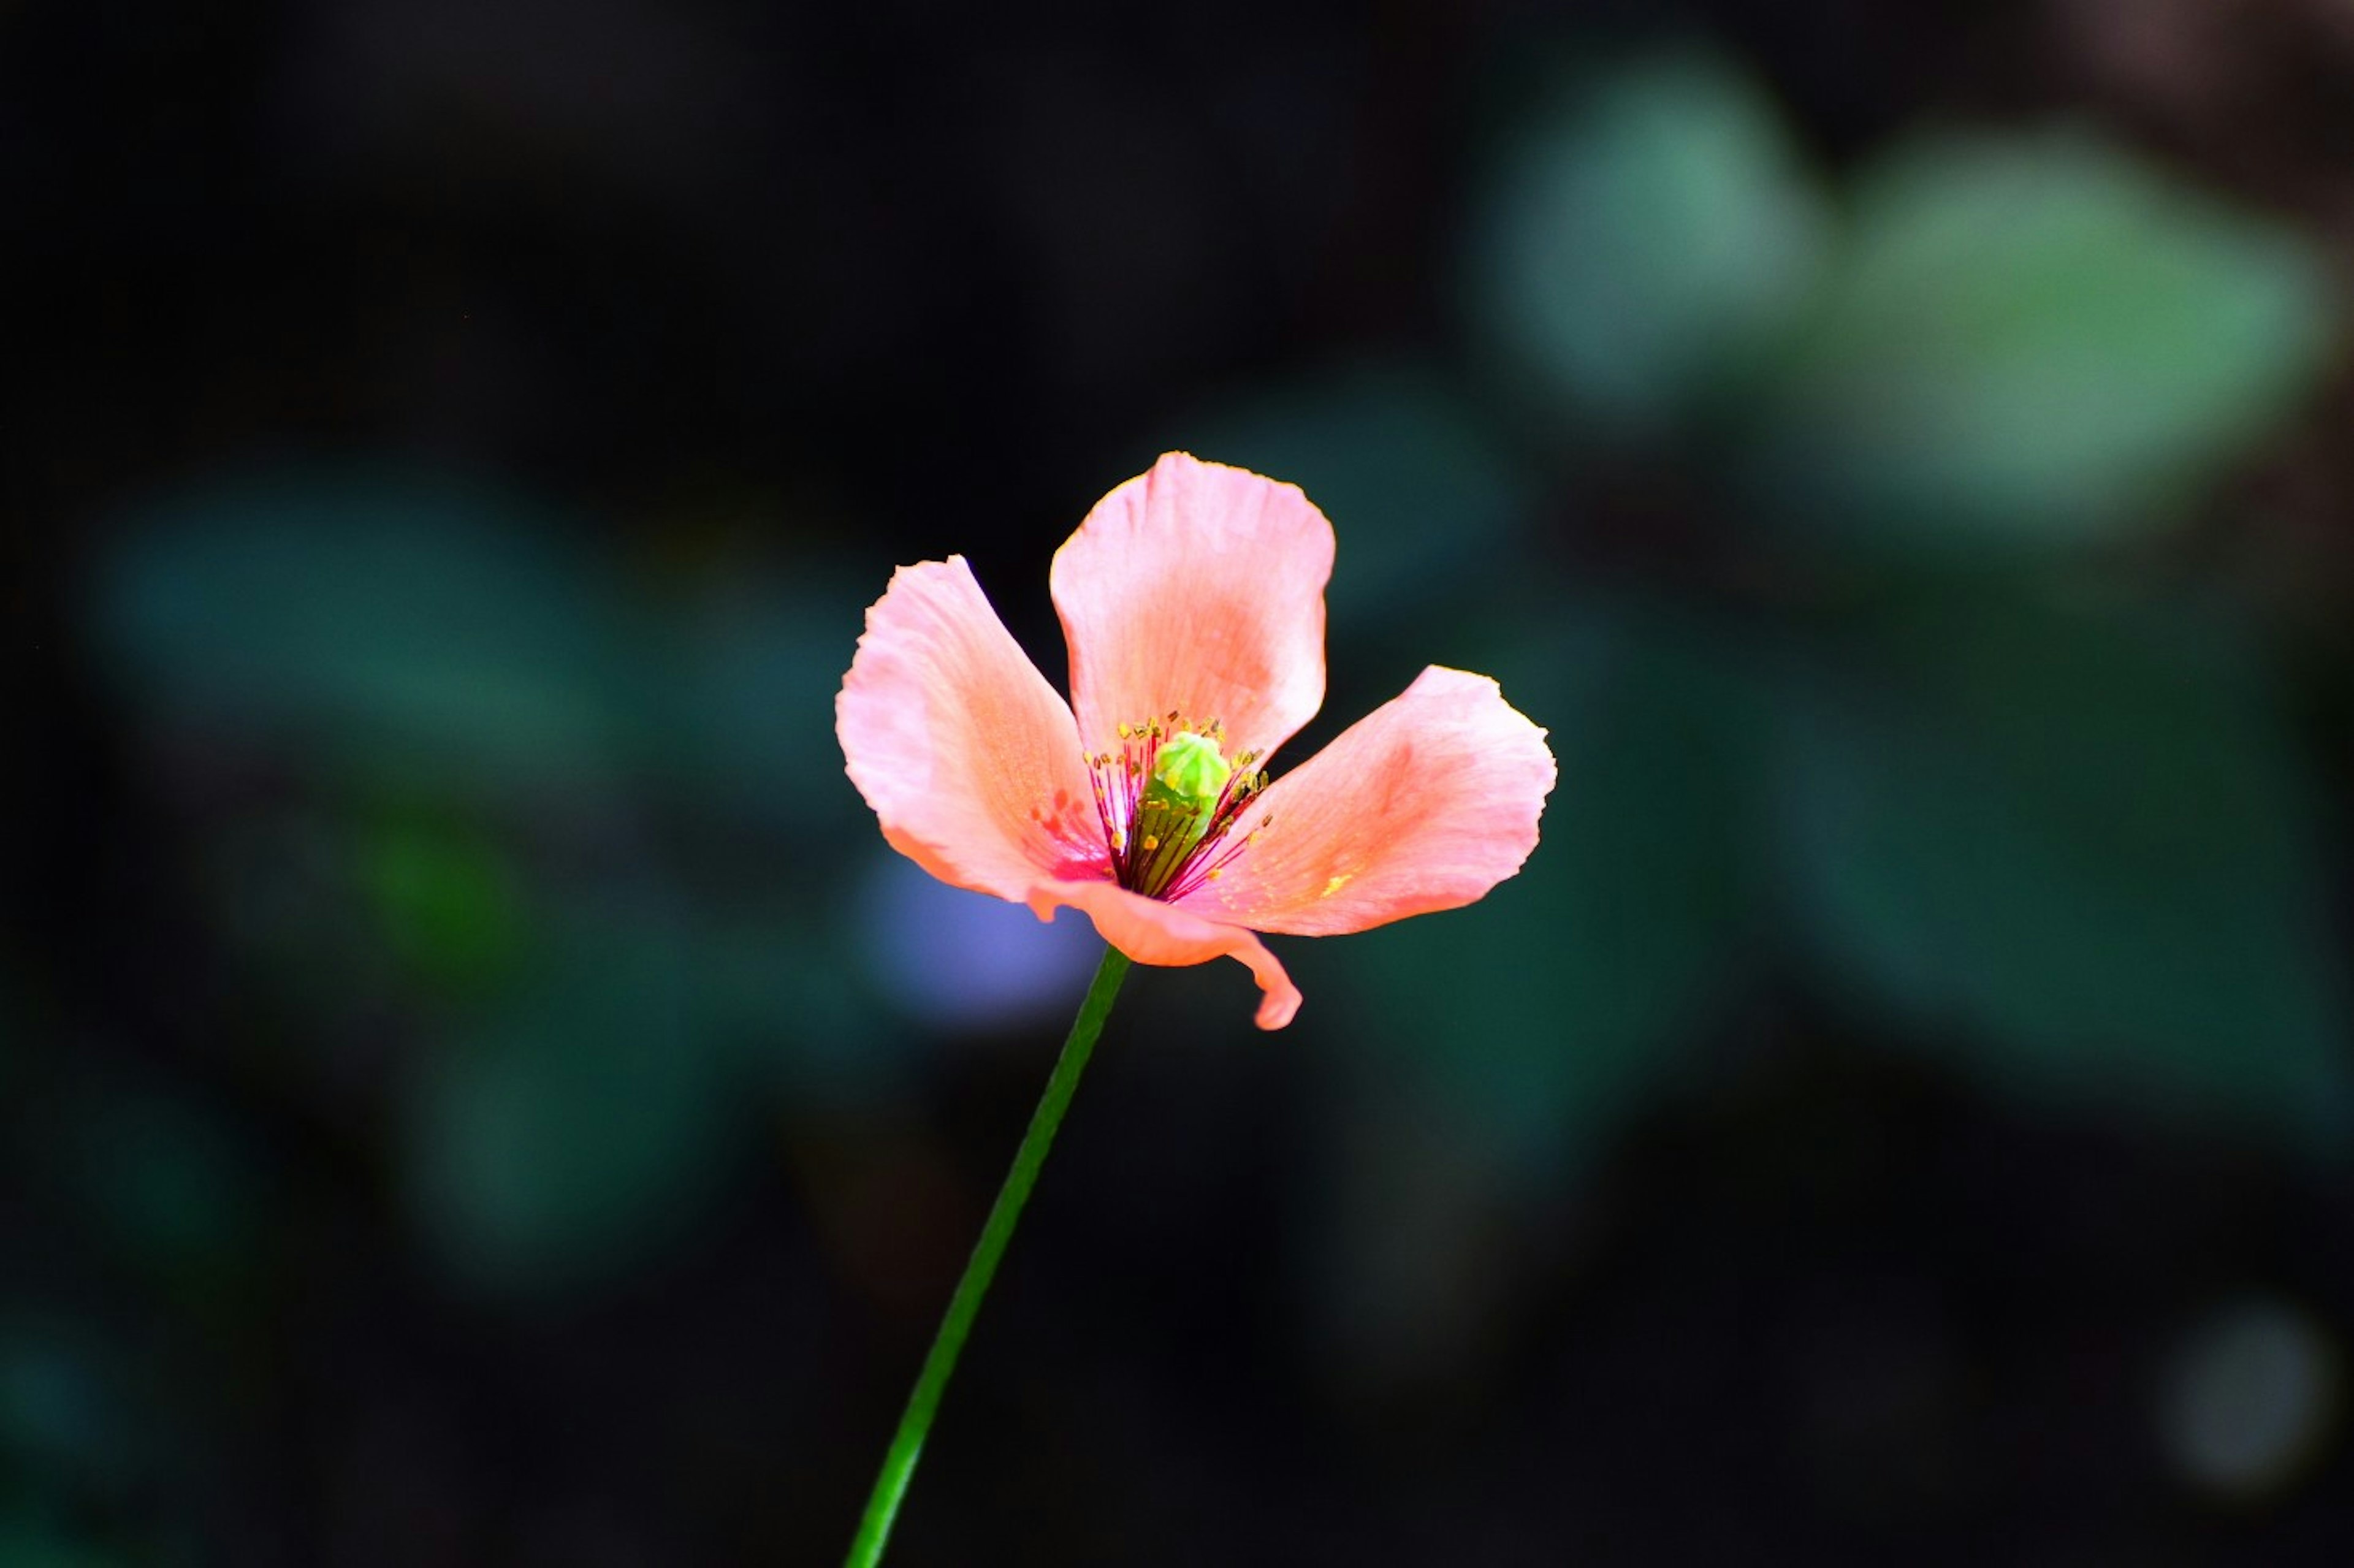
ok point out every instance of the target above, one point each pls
(1152, 932)
(968, 758)
(1425, 803)
(1197, 587)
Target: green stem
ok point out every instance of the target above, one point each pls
(908, 1443)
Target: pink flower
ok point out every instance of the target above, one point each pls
(1192, 597)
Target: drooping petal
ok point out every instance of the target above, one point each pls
(1425, 803)
(1197, 587)
(968, 758)
(1152, 932)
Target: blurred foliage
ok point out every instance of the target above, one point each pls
(2038, 341)
(570, 1125)
(402, 627)
(2080, 834)
(1649, 229)
(459, 734)
(2036, 338)
(446, 900)
(2051, 818)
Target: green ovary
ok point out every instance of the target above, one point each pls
(1188, 776)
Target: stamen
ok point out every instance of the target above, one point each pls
(1167, 800)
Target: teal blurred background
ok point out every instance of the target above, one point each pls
(475, 1087)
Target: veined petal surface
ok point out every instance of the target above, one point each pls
(1425, 804)
(1199, 588)
(968, 757)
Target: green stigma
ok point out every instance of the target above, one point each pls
(1188, 776)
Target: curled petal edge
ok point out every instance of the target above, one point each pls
(1152, 932)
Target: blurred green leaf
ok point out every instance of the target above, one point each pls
(570, 1134)
(1415, 480)
(2080, 840)
(2037, 341)
(1546, 1008)
(1646, 235)
(448, 900)
(435, 630)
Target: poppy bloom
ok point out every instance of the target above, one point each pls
(1193, 598)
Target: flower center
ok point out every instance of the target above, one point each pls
(1166, 798)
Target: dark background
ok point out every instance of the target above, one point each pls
(475, 1089)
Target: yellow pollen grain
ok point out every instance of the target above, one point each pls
(1151, 843)
(1336, 884)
